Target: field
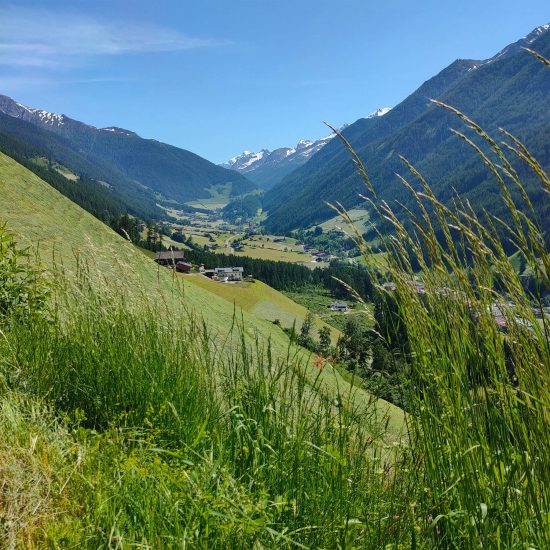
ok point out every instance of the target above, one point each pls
(359, 217)
(264, 247)
(210, 230)
(219, 197)
(377, 259)
(318, 302)
(63, 170)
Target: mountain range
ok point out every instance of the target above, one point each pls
(267, 168)
(141, 171)
(510, 90)
(119, 170)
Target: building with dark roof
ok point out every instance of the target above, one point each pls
(169, 258)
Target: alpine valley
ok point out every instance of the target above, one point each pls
(341, 344)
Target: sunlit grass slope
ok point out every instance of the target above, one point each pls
(261, 300)
(63, 233)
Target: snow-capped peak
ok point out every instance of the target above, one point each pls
(379, 112)
(245, 159)
(534, 34)
(302, 151)
(45, 116)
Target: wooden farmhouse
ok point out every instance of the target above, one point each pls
(169, 258)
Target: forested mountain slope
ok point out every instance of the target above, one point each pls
(511, 90)
(40, 150)
(164, 172)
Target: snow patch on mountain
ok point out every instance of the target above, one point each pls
(533, 35)
(117, 130)
(45, 116)
(245, 160)
(379, 112)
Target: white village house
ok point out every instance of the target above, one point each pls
(223, 274)
(228, 273)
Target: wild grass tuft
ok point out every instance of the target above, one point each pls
(166, 439)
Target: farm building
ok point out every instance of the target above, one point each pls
(183, 267)
(169, 258)
(342, 307)
(228, 274)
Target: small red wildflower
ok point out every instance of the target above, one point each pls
(320, 361)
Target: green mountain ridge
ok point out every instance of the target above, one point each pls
(130, 164)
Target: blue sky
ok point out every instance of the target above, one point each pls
(217, 77)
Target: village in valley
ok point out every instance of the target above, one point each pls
(208, 229)
(234, 275)
(242, 236)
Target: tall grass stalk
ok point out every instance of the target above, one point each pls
(480, 420)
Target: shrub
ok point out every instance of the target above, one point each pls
(23, 290)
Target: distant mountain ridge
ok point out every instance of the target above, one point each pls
(267, 168)
(161, 172)
(510, 90)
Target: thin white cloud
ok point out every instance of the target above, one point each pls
(13, 84)
(39, 38)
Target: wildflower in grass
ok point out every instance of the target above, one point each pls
(320, 361)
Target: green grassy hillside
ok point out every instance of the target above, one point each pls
(61, 233)
(262, 301)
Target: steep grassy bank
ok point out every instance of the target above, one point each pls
(262, 301)
(121, 428)
(62, 234)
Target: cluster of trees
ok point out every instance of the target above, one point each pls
(180, 237)
(305, 338)
(377, 355)
(146, 235)
(331, 242)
